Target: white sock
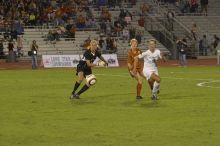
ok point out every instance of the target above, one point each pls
(156, 87)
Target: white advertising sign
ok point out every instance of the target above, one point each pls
(57, 61)
(52, 61)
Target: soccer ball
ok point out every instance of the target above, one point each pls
(91, 79)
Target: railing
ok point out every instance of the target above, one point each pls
(153, 26)
(176, 29)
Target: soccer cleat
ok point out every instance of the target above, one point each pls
(157, 97)
(154, 97)
(74, 96)
(139, 97)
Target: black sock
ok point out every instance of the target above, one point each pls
(84, 88)
(76, 87)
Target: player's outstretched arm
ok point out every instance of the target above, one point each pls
(102, 58)
(90, 64)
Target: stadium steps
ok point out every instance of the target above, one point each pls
(73, 47)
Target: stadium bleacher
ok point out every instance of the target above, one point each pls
(206, 25)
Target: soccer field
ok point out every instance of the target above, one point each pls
(35, 109)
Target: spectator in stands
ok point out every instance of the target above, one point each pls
(2, 54)
(184, 6)
(170, 18)
(182, 49)
(128, 17)
(101, 42)
(144, 9)
(193, 6)
(105, 15)
(113, 49)
(90, 23)
(215, 42)
(6, 35)
(132, 33)
(194, 31)
(34, 51)
(19, 28)
(204, 6)
(13, 34)
(122, 14)
(204, 46)
(56, 34)
(103, 27)
(125, 34)
(91, 2)
(11, 52)
(80, 22)
(86, 43)
(109, 43)
(32, 19)
(133, 2)
(10, 46)
(141, 21)
(72, 31)
(20, 45)
(109, 28)
(50, 36)
(118, 29)
(103, 45)
(101, 3)
(200, 48)
(139, 37)
(111, 3)
(81, 12)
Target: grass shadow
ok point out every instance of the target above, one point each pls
(112, 95)
(82, 101)
(177, 97)
(143, 103)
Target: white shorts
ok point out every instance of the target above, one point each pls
(148, 73)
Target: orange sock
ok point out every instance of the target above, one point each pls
(139, 87)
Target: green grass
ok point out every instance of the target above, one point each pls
(35, 109)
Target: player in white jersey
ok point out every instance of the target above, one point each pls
(150, 71)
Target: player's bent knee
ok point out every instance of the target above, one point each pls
(158, 80)
(139, 81)
(79, 81)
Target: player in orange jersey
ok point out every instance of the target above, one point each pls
(132, 53)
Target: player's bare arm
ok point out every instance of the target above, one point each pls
(90, 64)
(102, 58)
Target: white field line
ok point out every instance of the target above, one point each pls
(174, 78)
(201, 84)
(205, 84)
